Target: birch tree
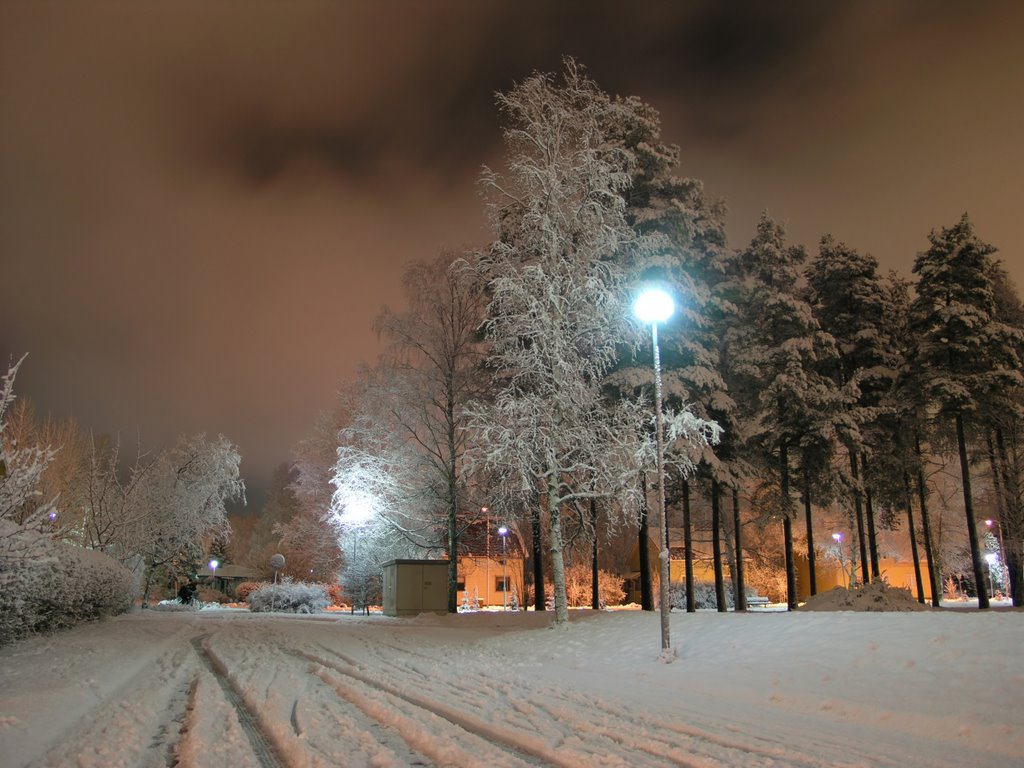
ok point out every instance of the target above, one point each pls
(432, 369)
(21, 467)
(558, 306)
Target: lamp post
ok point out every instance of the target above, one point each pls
(213, 573)
(503, 532)
(652, 307)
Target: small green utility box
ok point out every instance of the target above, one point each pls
(412, 587)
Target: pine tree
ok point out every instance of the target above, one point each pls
(776, 365)
(687, 256)
(850, 301)
(963, 361)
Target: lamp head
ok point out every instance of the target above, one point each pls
(654, 306)
(503, 531)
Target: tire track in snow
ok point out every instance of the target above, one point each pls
(261, 746)
(615, 726)
(138, 723)
(521, 749)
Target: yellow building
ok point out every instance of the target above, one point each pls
(490, 567)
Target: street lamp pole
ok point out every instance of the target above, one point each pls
(503, 532)
(652, 307)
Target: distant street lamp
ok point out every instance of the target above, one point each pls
(213, 572)
(1002, 553)
(991, 558)
(503, 532)
(837, 537)
(652, 307)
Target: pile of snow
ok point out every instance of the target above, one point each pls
(877, 596)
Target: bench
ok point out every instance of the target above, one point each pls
(756, 601)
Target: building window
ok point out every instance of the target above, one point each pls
(460, 586)
(500, 583)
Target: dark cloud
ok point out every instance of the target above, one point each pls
(203, 206)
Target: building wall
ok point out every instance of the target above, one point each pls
(481, 577)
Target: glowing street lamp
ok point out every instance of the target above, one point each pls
(837, 537)
(652, 307)
(1002, 552)
(991, 558)
(213, 572)
(503, 532)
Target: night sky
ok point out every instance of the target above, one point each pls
(202, 211)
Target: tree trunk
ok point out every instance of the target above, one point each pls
(1011, 520)
(537, 550)
(453, 558)
(869, 514)
(972, 528)
(646, 587)
(741, 587)
(811, 564)
(787, 528)
(859, 509)
(595, 591)
(716, 546)
(913, 538)
(691, 597)
(452, 478)
(934, 577)
(555, 545)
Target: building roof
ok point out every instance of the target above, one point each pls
(229, 572)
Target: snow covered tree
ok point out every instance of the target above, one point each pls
(686, 255)
(21, 467)
(1005, 443)
(432, 369)
(964, 360)
(181, 501)
(557, 306)
(776, 364)
(850, 301)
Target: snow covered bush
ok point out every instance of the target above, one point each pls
(290, 596)
(46, 585)
(703, 596)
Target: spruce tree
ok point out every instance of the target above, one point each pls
(962, 360)
(777, 363)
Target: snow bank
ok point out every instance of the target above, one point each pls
(877, 596)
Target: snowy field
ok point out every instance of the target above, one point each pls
(231, 688)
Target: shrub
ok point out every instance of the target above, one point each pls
(290, 597)
(703, 595)
(46, 585)
(246, 588)
(579, 583)
(207, 595)
(335, 593)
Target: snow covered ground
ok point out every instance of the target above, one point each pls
(231, 688)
